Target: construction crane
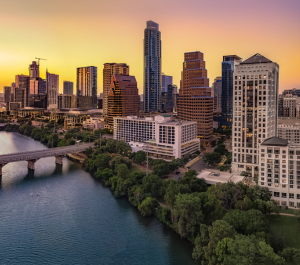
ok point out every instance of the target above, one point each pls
(39, 60)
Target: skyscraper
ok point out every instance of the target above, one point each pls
(165, 81)
(152, 67)
(255, 110)
(217, 88)
(228, 65)
(34, 70)
(108, 71)
(22, 86)
(68, 88)
(123, 97)
(195, 102)
(87, 83)
(52, 83)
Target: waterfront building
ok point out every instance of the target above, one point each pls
(255, 110)
(109, 70)
(228, 66)
(86, 83)
(66, 101)
(195, 102)
(217, 89)
(68, 88)
(52, 86)
(278, 171)
(123, 97)
(152, 67)
(165, 81)
(162, 137)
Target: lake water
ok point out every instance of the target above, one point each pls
(61, 215)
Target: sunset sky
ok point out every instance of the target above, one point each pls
(76, 33)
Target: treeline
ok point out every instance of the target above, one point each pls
(226, 223)
(48, 134)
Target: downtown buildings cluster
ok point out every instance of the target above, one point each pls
(168, 124)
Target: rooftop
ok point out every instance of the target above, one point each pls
(275, 141)
(215, 176)
(257, 58)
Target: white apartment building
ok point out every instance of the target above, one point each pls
(279, 170)
(94, 123)
(289, 129)
(163, 137)
(254, 110)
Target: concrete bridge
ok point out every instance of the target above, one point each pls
(33, 156)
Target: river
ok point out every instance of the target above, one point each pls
(61, 215)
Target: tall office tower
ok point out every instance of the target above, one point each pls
(195, 102)
(52, 84)
(228, 65)
(86, 83)
(22, 87)
(7, 95)
(294, 92)
(109, 70)
(123, 97)
(217, 88)
(167, 99)
(165, 81)
(34, 70)
(13, 87)
(68, 88)
(152, 67)
(255, 110)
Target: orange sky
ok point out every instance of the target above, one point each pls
(75, 33)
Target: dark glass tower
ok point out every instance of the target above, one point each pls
(152, 67)
(228, 65)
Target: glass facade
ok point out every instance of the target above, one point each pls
(152, 67)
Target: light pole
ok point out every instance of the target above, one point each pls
(147, 159)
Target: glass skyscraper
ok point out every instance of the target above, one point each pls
(152, 67)
(228, 65)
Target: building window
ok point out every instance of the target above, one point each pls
(276, 194)
(291, 204)
(291, 195)
(283, 195)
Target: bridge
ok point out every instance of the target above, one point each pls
(33, 156)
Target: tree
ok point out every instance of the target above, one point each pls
(122, 171)
(117, 160)
(221, 149)
(188, 214)
(218, 231)
(140, 156)
(62, 143)
(212, 158)
(201, 240)
(68, 136)
(104, 174)
(102, 161)
(147, 206)
(246, 250)
(213, 143)
(290, 255)
(152, 184)
(89, 151)
(247, 223)
(194, 183)
(258, 192)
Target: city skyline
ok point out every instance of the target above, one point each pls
(274, 26)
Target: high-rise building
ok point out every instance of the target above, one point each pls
(86, 83)
(109, 70)
(195, 102)
(22, 87)
(217, 88)
(34, 71)
(152, 67)
(167, 100)
(52, 90)
(123, 97)
(68, 88)
(294, 92)
(66, 101)
(228, 65)
(7, 95)
(165, 81)
(255, 110)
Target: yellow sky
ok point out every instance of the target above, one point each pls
(71, 34)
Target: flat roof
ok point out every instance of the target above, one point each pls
(216, 176)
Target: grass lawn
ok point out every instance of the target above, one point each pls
(289, 211)
(286, 227)
(137, 167)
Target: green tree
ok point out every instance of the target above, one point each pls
(194, 183)
(246, 250)
(212, 158)
(147, 207)
(104, 174)
(188, 214)
(201, 240)
(140, 156)
(221, 149)
(122, 171)
(102, 161)
(291, 255)
(153, 185)
(258, 192)
(68, 136)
